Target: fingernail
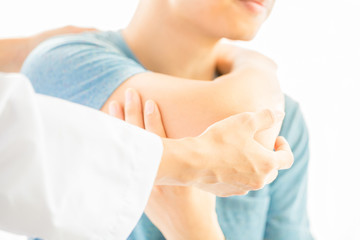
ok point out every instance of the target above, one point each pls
(279, 115)
(149, 107)
(129, 95)
(113, 108)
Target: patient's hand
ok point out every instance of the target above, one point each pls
(179, 212)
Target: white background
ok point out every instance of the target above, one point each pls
(316, 45)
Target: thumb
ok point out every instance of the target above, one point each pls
(265, 119)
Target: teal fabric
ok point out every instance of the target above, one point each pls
(278, 211)
(87, 68)
(84, 69)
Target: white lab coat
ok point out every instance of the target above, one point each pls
(67, 171)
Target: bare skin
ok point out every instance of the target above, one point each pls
(200, 104)
(181, 219)
(186, 46)
(217, 178)
(226, 64)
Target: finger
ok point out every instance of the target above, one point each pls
(133, 108)
(265, 119)
(153, 121)
(283, 154)
(116, 110)
(272, 176)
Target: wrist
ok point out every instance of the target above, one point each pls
(211, 231)
(177, 166)
(198, 229)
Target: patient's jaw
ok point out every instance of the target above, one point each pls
(183, 33)
(232, 19)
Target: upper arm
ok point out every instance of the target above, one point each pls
(188, 107)
(88, 70)
(79, 68)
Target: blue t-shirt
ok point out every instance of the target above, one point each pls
(84, 68)
(87, 68)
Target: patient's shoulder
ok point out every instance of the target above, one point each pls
(84, 68)
(110, 41)
(80, 48)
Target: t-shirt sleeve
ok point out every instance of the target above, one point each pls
(287, 214)
(84, 69)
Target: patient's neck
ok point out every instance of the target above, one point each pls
(163, 44)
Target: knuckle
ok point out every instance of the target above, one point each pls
(251, 125)
(289, 164)
(275, 175)
(233, 193)
(249, 121)
(245, 192)
(258, 183)
(242, 192)
(268, 166)
(269, 115)
(247, 117)
(224, 195)
(291, 159)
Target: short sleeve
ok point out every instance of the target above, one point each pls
(287, 214)
(84, 68)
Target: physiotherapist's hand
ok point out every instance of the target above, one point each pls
(13, 52)
(226, 159)
(178, 212)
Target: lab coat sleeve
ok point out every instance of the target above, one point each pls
(69, 172)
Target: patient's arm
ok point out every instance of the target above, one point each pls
(188, 106)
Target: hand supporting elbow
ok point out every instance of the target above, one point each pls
(227, 160)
